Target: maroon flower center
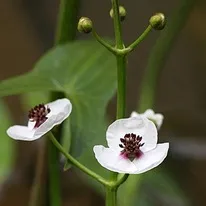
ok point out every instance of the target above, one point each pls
(38, 114)
(131, 146)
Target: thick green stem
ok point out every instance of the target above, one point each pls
(111, 196)
(37, 190)
(66, 28)
(117, 25)
(121, 89)
(121, 69)
(66, 31)
(54, 183)
(76, 162)
(67, 21)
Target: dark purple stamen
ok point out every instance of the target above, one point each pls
(131, 146)
(38, 114)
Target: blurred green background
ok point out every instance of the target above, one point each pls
(27, 31)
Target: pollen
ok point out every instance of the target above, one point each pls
(131, 144)
(38, 114)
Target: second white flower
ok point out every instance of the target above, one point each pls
(133, 147)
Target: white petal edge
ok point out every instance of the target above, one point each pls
(60, 106)
(149, 138)
(138, 125)
(151, 159)
(134, 114)
(156, 117)
(60, 110)
(159, 120)
(18, 132)
(112, 160)
(149, 113)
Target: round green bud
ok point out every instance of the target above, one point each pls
(157, 21)
(84, 25)
(122, 13)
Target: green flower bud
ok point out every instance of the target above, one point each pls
(122, 13)
(157, 21)
(84, 25)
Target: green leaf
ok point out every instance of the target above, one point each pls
(164, 188)
(74, 68)
(31, 99)
(6, 153)
(86, 72)
(156, 187)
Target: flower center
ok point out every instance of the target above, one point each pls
(131, 146)
(38, 114)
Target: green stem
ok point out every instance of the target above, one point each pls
(54, 183)
(103, 43)
(131, 189)
(67, 21)
(132, 46)
(66, 31)
(121, 67)
(39, 180)
(66, 28)
(76, 162)
(111, 196)
(121, 180)
(117, 25)
(121, 89)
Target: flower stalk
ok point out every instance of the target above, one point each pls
(103, 42)
(133, 45)
(76, 162)
(111, 196)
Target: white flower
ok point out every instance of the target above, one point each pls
(149, 114)
(133, 147)
(42, 118)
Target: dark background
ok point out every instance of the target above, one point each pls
(27, 31)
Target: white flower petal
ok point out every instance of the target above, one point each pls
(46, 126)
(60, 110)
(112, 160)
(21, 133)
(138, 125)
(134, 114)
(155, 117)
(31, 124)
(151, 159)
(149, 138)
(149, 113)
(62, 106)
(159, 120)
